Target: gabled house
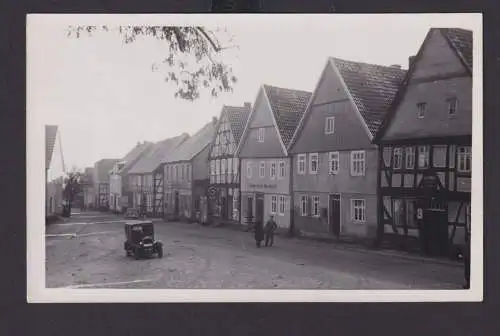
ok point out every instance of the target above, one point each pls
(263, 153)
(120, 193)
(425, 147)
(146, 176)
(88, 188)
(187, 177)
(224, 190)
(53, 187)
(101, 182)
(334, 161)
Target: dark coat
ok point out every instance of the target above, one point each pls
(259, 231)
(270, 227)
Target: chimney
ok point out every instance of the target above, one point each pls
(397, 66)
(410, 60)
(248, 105)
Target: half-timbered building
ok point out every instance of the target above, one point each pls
(263, 152)
(224, 190)
(101, 182)
(146, 176)
(187, 177)
(334, 160)
(120, 193)
(425, 149)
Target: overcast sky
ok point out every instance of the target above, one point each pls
(105, 97)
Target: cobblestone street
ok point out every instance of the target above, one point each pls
(87, 252)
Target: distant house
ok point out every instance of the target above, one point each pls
(263, 152)
(146, 179)
(224, 195)
(120, 193)
(100, 179)
(425, 147)
(53, 185)
(89, 194)
(335, 163)
(187, 176)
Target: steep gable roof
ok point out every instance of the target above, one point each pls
(159, 151)
(288, 107)
(50, 141)
(237, 117)
(460, 41)
(134, 155)
(192, 146)
(372, 88)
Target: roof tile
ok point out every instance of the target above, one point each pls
(461, 41)
(192, 146)
(159, 151)
(50, 141)
(372, 87)
(288, 106)
(238, 117)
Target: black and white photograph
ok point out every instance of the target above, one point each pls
(226, 158)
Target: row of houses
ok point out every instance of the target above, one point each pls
(373, 152)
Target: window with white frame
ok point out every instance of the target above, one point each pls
(249, 169)
(333, 162)
(464, 159)
(329, 125)
(260, 134)
(397, 158)
(452, 106)
(303, 205)
(281, 169)
(358, 210)
(358, 163)
(313, 163)
(272, 170)
(274, 204)
(421, 110)
(262, 169)
(410, 157)
(282, 205)
(315, 206)
(217, 171)
(301, 164)
(423, 156)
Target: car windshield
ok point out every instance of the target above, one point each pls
(140, 231)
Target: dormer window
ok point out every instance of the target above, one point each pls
(421, 110)
(452, 106)
(329, 125)
(260, 134)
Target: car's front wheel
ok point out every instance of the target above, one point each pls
(137, 253)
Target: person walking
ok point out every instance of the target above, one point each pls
(271, 226)
(258, 233)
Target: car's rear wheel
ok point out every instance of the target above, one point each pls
(159, 250)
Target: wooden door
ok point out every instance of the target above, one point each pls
(435, 232)
(230, 207)
(176, 204)
(259, 208)
(334, 214)
(250, 207)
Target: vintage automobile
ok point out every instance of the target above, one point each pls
(140, 240)
(132, 213)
